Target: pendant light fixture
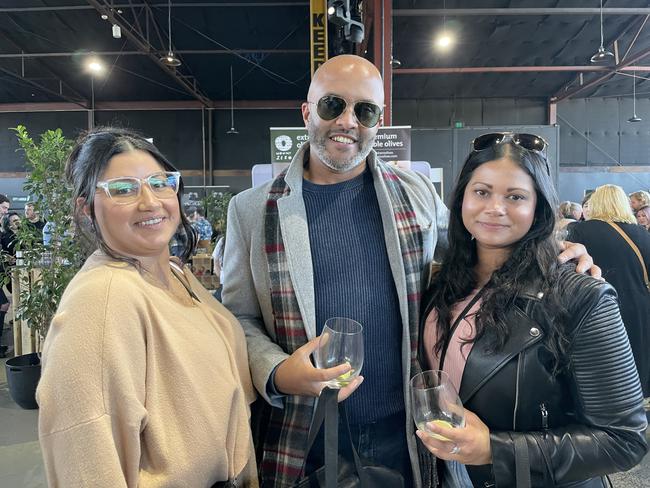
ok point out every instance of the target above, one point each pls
(232, 108)
(635, 117)
(170, 59)
(602, 56)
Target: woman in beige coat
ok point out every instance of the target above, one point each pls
(145, 376)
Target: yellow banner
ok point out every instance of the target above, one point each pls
(317, 33)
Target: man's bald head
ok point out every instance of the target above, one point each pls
(347, 69)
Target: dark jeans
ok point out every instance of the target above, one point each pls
(382, 442)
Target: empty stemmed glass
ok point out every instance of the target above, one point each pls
(434, 399)
(341, 342)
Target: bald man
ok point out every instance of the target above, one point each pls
(339, 234)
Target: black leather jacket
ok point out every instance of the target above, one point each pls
(567, 430)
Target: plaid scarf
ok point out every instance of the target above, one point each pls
(286, 437)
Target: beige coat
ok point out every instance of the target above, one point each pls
(143, 386)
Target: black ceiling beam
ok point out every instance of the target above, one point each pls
(79, 97)
(157, 5)
(81, 103)
(628, 62)
(485, 12)
(562, 93)
(142, 53)
(43, 65)
(143, 45)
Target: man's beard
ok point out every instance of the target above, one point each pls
(317, 144)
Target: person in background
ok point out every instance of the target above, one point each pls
(568, 213)
(522, 338)
(585, 207)
(145, 379)
(201, 224)
(34, 220)
(639, 199)
(643, 217)
(217, 260)
(5, 204)
(610, 214)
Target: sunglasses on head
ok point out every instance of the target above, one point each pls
(530, 142)
(330, 107)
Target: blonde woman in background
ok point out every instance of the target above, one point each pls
(609, 207)
(639, 199)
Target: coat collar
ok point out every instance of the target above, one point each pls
(483, 363)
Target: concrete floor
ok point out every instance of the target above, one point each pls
(21, 465)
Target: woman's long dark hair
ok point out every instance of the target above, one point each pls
(89, 159)
(533, 258)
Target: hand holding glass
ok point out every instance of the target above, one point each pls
(341, 342)
(434, 399)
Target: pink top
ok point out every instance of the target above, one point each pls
(457, 351)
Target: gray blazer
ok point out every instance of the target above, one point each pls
(246, 278)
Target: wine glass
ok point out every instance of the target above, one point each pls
(434, 399)
(341, 342)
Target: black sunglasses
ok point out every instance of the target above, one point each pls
(331, 106)
(530, 142)
(527, 141)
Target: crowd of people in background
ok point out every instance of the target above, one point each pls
(10, 221)
(614, 228)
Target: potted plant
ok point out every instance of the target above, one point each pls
(44, 268)
(216, 206)
(216, 210)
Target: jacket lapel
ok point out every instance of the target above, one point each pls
(482, 364)
(295, 234)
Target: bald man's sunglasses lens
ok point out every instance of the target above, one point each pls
(330, 107)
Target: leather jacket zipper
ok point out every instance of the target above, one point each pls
(542, 408)
(514, 413)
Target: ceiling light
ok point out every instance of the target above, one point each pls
(104, 17)
(331, 10)
(635, 117)
(444, 41)
(117, 32)
(170, 59)
(94, 66)
(445, 38)
(602, 56)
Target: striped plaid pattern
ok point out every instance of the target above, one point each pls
(286, 437)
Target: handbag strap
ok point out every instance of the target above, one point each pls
(522, 462)
(357, 459)
(636, 251)
(455, 325)
(326, 413)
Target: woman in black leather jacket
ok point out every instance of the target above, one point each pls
(538, 352)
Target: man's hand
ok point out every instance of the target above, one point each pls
(572, 251)
(296, 375)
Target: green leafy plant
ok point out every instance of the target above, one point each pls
(46, 270)
(216, 208)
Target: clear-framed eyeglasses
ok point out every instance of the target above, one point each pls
(127, 189)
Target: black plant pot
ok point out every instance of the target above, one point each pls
(23, 373)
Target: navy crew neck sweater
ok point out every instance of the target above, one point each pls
(353, 278)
